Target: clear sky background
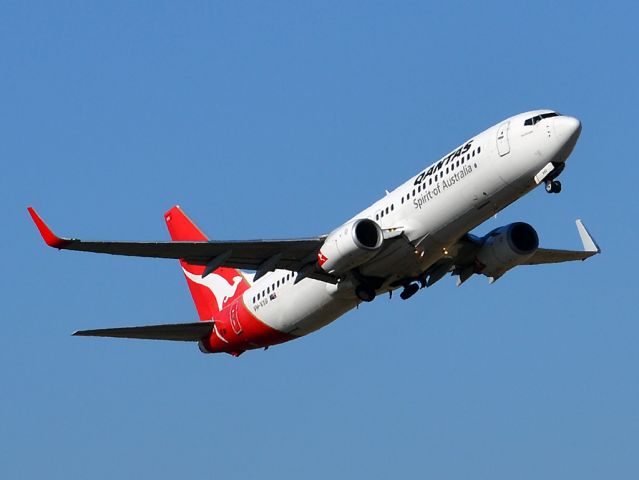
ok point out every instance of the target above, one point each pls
(283, 119)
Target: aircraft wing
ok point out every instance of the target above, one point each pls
(545, 255)
(260, 255)
(183, 332)
(462, 261)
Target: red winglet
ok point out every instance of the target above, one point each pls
(48, 236)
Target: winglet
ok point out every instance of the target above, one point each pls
(589, 243)
(48, 236)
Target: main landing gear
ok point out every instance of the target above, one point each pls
(366, 290)
(365, 293)
(409, 290)
(553, 186)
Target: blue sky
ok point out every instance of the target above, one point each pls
(282, 119)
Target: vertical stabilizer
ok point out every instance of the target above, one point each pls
(217, 289)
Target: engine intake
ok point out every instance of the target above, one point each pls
(507, 247)
(350, 245)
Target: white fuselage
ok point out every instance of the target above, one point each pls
(432, 210)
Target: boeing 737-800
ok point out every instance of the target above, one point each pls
(409, 239)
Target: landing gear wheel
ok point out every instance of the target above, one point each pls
(556, 186)
(365, 293)
(409, 290)
(553, 186)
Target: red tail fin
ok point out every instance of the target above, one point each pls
(212, 293)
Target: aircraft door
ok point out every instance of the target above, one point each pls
(235, 320)
(503, 146)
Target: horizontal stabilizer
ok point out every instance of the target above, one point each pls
(183, 332)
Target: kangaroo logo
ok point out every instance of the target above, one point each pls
(218, 285)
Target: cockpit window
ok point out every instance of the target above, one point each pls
(538, 118)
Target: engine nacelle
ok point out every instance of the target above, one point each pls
(350, 245)
(507, 247)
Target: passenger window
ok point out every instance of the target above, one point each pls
(478, 150)
(392, 207)
(430, 181)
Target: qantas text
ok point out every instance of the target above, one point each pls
(435, 167)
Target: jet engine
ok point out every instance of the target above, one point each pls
(507, 247)
(350, 245)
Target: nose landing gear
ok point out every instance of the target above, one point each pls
(553, 186)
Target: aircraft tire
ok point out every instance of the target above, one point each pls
(549, 187)
(409, 291)
(365, 293)
(556, 186)
(553, 186)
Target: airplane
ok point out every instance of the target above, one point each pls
(409, 239)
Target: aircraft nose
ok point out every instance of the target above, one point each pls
(568, 129)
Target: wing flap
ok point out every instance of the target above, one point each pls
(183, 332)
